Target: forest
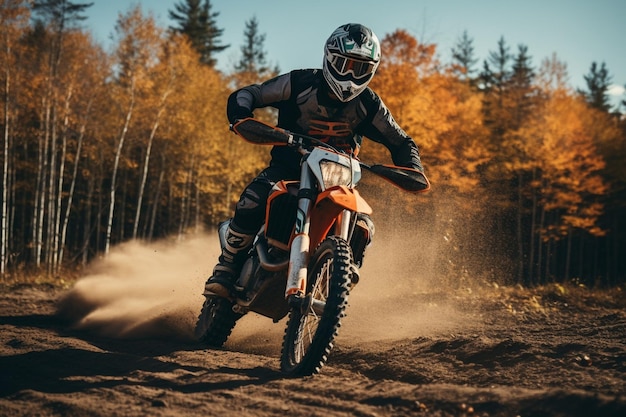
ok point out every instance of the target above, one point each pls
(100, 147)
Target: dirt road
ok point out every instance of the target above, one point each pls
(122, 347)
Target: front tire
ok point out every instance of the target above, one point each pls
(310, 332)
(216, 321)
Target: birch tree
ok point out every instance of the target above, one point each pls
(14, 17)
(58, 17)
(135, 54)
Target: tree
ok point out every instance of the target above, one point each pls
(552, 75)
(521, 85)
(137, 52)
(570, 166)
(598, 82)
(494, 78)
(13, 20)
(58, 18)
(196, 21)
(252, 66)
(463, 58)
(443, 115)
(86, 70)
(496, 69)
(521, 95)
(61, 14)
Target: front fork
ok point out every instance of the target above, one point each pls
(299, 253)
(344, 219)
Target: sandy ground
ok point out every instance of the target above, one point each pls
(118, 343)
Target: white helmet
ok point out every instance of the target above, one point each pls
(351, 56)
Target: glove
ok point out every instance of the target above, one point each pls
(238, 113)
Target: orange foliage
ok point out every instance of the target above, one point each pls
(437, 110)
(569, 164)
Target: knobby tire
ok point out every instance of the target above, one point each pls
(308, 337)
(216, 321)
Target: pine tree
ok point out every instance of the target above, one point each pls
(61, 12)
(521, 85)
(463, 59)
(197, 22)
(494, 78)
(598, 81)
(252, 53)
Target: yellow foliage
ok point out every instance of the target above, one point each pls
(437, 110)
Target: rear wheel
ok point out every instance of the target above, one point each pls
(312, 329)
(216, 321)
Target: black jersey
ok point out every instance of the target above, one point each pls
(305, 106)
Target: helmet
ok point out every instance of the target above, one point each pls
(351, 56)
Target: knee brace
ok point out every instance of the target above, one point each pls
(250, 210)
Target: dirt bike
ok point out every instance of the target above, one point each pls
(306, 257)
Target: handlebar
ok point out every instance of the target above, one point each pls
(261, 133)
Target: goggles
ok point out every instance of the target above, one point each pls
(359, 69)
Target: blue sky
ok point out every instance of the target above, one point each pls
(578, 31)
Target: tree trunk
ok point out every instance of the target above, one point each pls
(186, 199)
(568, 255)
(38, 198)
(531, 250)
(57, 240)
(70, 197)
(542, 222)
(118, 154)
(4, 244)
(91, 185)
(520, 241)
(146, 163)
(4, 238)
(156, 204)
(548, 278)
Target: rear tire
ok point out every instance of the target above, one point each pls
(309, 336)
(216, 321)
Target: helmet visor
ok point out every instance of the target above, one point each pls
(359, 69)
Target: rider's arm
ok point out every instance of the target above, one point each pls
(242, 102)
(381, 127)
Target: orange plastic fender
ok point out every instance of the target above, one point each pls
(346, 198)
(328, 208)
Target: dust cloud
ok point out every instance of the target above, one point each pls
(399, 295)
(154, 290)
(143, 290)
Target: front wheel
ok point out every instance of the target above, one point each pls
(311, 330)
(216, 321)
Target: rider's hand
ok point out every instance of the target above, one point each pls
(231, 125)
(239, 113)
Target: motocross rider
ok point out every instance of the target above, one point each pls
(335, 105)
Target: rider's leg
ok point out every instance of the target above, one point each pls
(248, 218)
(230, 261)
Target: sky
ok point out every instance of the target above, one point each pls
(579, 32)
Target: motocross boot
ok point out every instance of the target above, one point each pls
(229, 263)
